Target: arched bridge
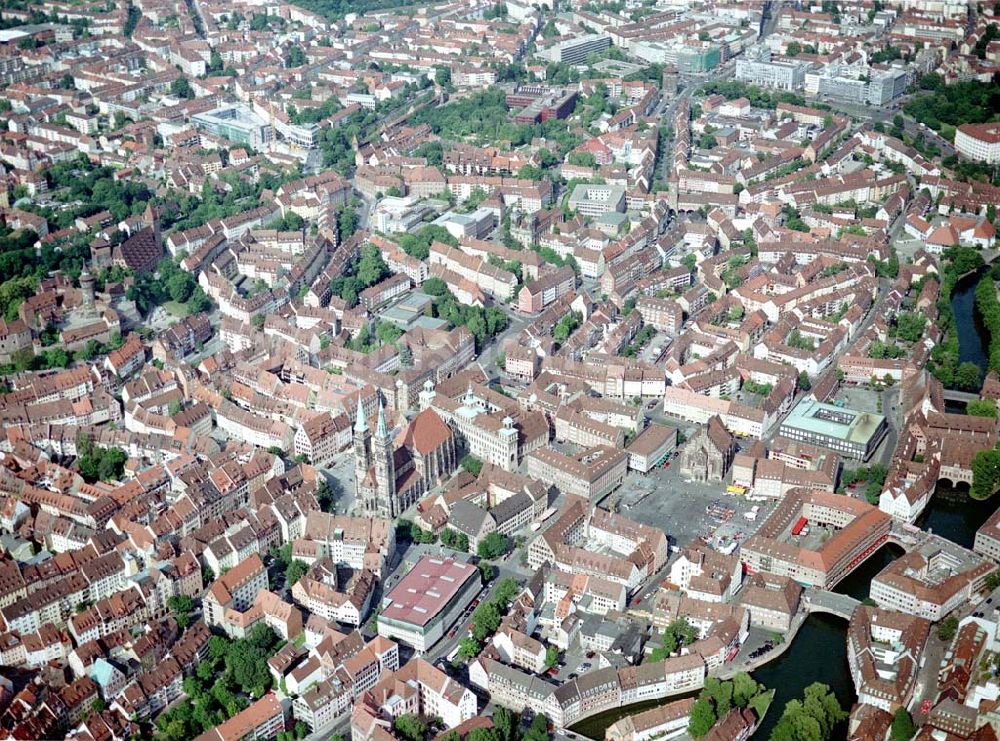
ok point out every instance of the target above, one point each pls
(963, 396)
(820, 600)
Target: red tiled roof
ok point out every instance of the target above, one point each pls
(426, 433)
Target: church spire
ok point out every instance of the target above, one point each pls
(360, 424)
(382, 429)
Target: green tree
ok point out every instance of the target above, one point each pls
(347, 222)
(539, 729)
(804, 383)
(811, 719)
(506, 723)
(506, 591)
(180, 286)
(981, 408)
(102, 464)
(296, 570)
(702, 718)
(910, 326)
(247, 665)
(485, 621)
(181, 88)
(486, 570)
(410, 727)
(469, 648)
(455, 539)
(565, 326)
(482, 734)
(442, 76)
(13, 292)
(745, 688)
(551, 656)
(371, 266)
(387, 332)
(985, 473)
(493, 546)
(295, 57)
(471, 464)
(903, 728)
(967, 376)
(707, 141)
(181, 607)
(720, 693)
(947, 628)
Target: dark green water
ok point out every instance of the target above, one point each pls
(973, 339)
(954, 515)
(819, 651)
(818, 654)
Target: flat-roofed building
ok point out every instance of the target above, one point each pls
(851, 433)
(589, 199)
(427, 601)
(236, 123)
(771, 74)
(576, 50)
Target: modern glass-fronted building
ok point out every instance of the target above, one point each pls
(851, 433)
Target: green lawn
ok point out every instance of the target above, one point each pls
(176, 308)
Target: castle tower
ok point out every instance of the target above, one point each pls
(362, 450)
(385, 467)
(88, 289)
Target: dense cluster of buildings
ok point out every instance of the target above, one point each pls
(276, 316)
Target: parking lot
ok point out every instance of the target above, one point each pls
(758, 643)
(574, 663)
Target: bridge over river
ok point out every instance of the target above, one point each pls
(962, 396)
(903, 535)
(832, 603)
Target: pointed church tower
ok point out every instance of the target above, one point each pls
(362, 449)
(385, 466)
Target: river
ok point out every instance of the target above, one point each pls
(954, 515)
(973, 339)
(819, 650)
